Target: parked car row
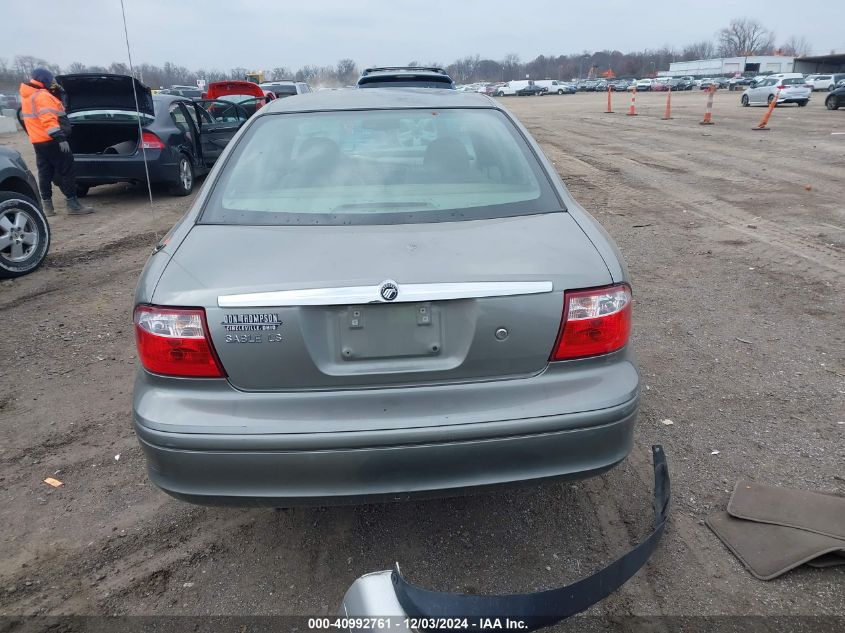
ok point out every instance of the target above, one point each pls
(527, 87)
(817, 82)
(521, 88)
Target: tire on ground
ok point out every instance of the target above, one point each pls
(10, 202)
(180, 188)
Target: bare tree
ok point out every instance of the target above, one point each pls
(280, 72)
(347, 72)
(795, 46)
(705, 49)
(308, 73)
(25, 64)
(511, 67)
(237, 74)
(119, 68)
(745, 37)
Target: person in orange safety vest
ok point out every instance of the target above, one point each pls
(48, 127)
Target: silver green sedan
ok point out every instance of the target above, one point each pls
(379, 294)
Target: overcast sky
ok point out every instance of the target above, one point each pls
(263, 34)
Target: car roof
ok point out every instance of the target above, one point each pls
(165, 98)
(380, 98)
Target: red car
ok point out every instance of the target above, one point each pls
(251, 97)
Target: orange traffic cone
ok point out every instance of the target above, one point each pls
(708, 110)
(762, 124)
(668, 113)
(632, 111)
(609, 104)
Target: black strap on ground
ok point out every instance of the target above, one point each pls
(543, 608)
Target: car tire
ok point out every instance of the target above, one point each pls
(831, 103)
(185, 174)
(18, 259)
(560, 92)
(82, 190)
(831, 88)
(801, 103)
(770, 99)
(744, 101)
(500, 94)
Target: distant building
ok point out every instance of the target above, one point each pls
(832, 63)
(762, 64)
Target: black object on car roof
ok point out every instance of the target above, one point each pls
(405, 76)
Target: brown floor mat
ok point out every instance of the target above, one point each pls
(767, 550)
(811, 511)
(772, 530)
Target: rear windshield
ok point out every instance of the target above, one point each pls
(380, 167)
(400, 81)
(793, 81)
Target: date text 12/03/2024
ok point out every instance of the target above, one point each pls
(416, 624)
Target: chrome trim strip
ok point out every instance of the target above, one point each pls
(370, 294)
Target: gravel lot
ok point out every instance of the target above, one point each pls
(734, 239)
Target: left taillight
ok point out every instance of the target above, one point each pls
(176, 342)
(151, 141)
(594, 322)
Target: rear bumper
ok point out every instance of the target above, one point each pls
(295, 477)
(97, 170)
(793, 98)
(209, 443)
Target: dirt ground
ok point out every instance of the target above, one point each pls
(734, 239)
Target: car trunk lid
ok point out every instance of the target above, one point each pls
(219, 89)
(293, 308)
(85, 92)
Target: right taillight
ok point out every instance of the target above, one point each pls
(175, 342)
(594, 322)
(151, 141)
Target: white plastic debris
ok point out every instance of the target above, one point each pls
(714, 452)
(667, 422)
(117, 457)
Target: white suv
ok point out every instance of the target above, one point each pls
(825, 82)
(286, 88)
